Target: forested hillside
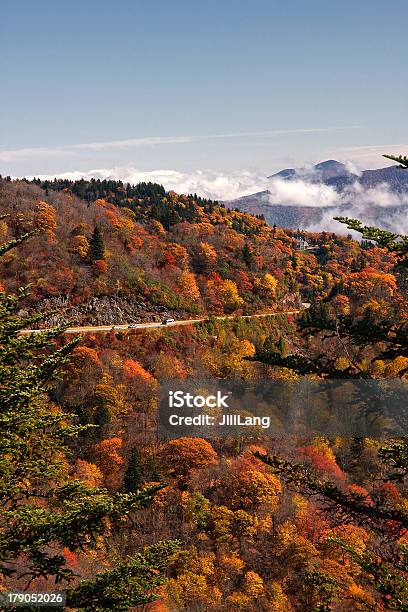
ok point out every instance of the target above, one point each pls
(137, 251)
(238, 524)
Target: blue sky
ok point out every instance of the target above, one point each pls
(212, 89)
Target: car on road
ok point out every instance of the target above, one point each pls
(132, 325)
(166, 321)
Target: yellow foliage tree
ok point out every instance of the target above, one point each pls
(226, 359)
(189, 588)
(89, 473)
(278, 601)
(230, 296)
(396, 366)
(252, 488)
(222, 519)
(253, 584)
(231, 563)
(238, 601)
(188, 287)
(269, 285)
(80, 245)
(207, 256)
(110, 397)
(45, 218)
(3, 231)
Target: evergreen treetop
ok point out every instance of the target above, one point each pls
(96, 246)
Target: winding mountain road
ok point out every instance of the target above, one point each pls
(91, 329)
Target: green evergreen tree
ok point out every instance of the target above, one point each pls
(247, 255)
(152, 472)
(96, 246)
(71, 515)
(354, 266)
(133, 475)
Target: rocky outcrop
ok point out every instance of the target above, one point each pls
(103, 310)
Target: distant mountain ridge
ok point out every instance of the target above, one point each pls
(341, 178)
(336, 174)
(322, 172)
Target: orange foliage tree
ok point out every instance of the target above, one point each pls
(108, 458)
(45, 219)
(185, 455)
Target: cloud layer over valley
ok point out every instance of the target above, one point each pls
(206, 183)
(354, 199)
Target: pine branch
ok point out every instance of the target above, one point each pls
(400, 159)
(384, 238)
(127, 585)
(4, 248)
(345, 507)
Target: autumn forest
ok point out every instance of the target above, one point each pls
(94, 502)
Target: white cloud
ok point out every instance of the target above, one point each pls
(352, 167)
(381, 195)
(362, 203)
(301, 193)
(11, 155)
(133, 142)
(73, 150)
